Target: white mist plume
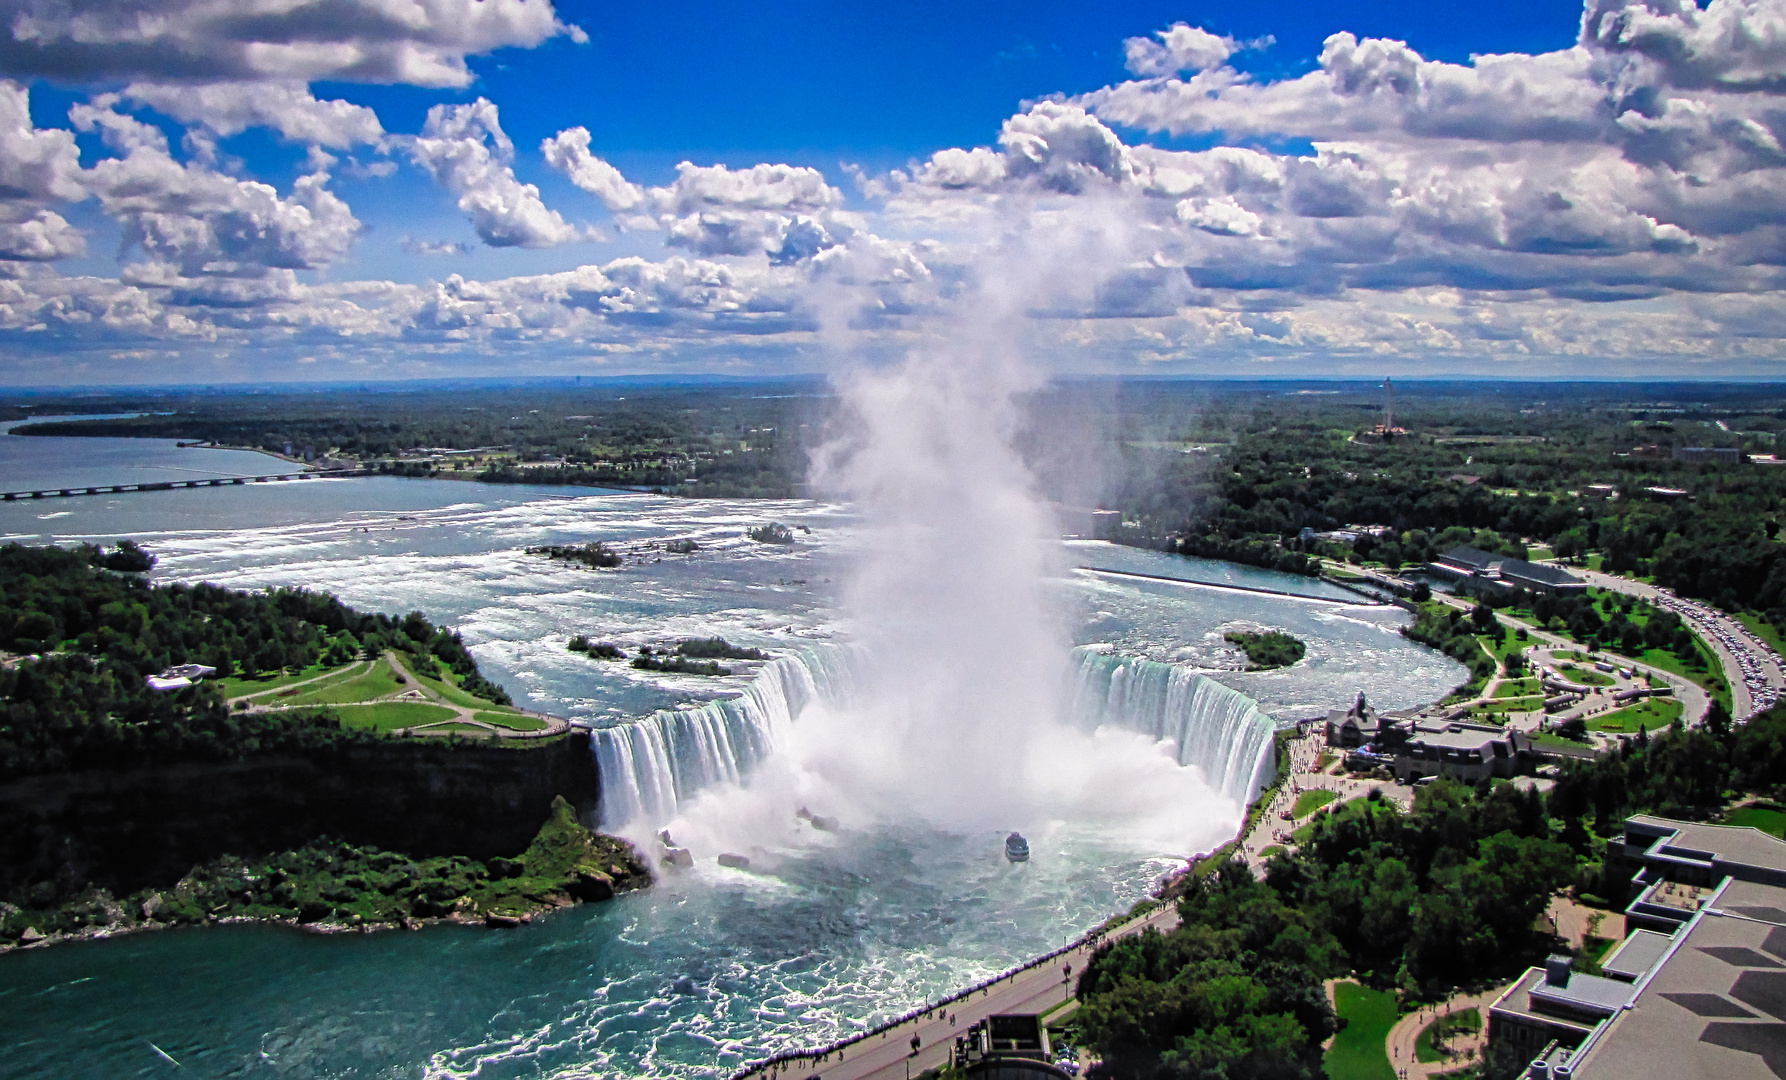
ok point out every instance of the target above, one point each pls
(960, 719)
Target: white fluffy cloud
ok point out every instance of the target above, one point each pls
(568, 152)
(422, 42)
(1182, 48)
(230, 108)
(788, 212)
(191, 221)
(466, 150)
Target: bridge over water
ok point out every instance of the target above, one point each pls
(175, 485)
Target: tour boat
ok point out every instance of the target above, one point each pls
(1016, 848)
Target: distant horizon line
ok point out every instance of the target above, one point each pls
(10, 394)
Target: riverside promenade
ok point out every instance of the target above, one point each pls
(885, 1053)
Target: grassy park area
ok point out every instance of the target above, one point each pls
(1310, 801)
(1767, 817)
(1647, 715)
(1515, 688)
(362, 693)
(1366, 1016)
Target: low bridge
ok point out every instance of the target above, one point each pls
(175, 485)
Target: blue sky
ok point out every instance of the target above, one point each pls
(1295, 188)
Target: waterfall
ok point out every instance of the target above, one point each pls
(1216, 729)
(649, 767)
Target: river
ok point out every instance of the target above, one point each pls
(711, 968)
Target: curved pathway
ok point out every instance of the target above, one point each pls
(1406, 1033)
(417, 692)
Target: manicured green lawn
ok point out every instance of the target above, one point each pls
(237, 686)
(391, 715)
(512, 720)
(1767, 819)
(1550, 738)
(449, 689)
(1513, 688)
(1271, 852)
(1358, 1052)
(1310, 801)
(1586, 676)
(1649, 714)
(378, 682)
(1444, 1027)
(1507, 705)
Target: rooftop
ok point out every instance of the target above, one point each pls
(1675, 895)
(1591, 993)
(1531, 571)
(1714, 1006)
(1637, 955)
(1474, 558)
(1720, 843)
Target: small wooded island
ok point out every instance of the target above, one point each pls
(691, 656)
(285, 776)
(1268, 649)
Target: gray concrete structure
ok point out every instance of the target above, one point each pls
(1698, 989)
(1461, 751)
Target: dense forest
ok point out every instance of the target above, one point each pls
(1423, 901)
(81, 638)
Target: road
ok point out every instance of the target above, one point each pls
(886, 1054)
(1755, 672)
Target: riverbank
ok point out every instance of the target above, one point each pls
(333, 887)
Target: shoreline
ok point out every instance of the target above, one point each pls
(320, 929)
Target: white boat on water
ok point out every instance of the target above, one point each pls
(1016, 848)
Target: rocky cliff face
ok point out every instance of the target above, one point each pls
(127, 829)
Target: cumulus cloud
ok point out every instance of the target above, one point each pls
(33, 234)
(189, 219)
(230, 108)
(420, 42)
(568, 152)
(465, 148)
(1182, 48)
(788, 212)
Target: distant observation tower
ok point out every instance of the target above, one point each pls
(1387, 429)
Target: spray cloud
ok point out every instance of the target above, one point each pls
(960, 717)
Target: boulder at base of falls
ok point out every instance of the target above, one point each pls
(679, 857)
(592, 885)
(735, 862)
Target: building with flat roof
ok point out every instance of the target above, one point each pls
(1697, 990)
(1714, 1005)
(1461, 751)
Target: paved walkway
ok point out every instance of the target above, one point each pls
(886, 1053)
(1403, 1036)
